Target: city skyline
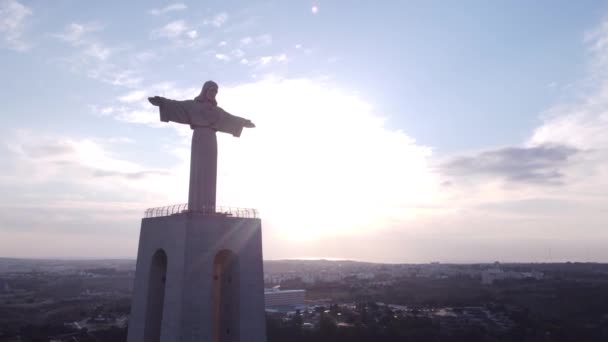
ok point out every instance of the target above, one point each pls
(416, 132)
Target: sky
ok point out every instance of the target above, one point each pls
(394, 131)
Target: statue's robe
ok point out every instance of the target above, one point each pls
(205, 119)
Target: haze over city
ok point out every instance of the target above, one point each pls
(388, 132)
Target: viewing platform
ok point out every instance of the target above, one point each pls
(182, 209)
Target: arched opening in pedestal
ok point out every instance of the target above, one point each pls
(225, 297)
(156, 296)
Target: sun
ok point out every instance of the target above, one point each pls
(327, 166)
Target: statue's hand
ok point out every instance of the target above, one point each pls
(249, 124)
(156, 100)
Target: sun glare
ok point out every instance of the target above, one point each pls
(315, 167)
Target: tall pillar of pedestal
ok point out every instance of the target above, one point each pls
(198, 278)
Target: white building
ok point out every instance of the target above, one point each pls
(275, 297)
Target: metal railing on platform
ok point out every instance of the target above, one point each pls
(179, 209)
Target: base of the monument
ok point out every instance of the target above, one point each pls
(198, 278)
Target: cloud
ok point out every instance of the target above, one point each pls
(13, 17)
(169, 8)
(192, 34)
(76, 188)
(265, 61)
(111, 74)
(322, 166)
(330, 161)
(98, 51)
(91, 50)
(133, 107)
(584, 122)
(222, 57)
(95, 59)
(256, 42)
(175, 30)
(137, 112)
(530, 165)
(144, 56)
(217, 20)
(134, 96)
(237, 53)
(507, 187)
(129, 175)
(172, 30)
(61, 151)
(77, 168)
(75, 33)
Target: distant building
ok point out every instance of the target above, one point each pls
(275, 297)
(365, 275)
(4, 287)
(489, 276)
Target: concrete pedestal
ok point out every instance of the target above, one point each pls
(198, 278)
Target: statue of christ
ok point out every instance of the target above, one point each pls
(205, 118)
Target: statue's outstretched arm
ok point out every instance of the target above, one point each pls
(155, 100)
(245, 122)
(173, 110)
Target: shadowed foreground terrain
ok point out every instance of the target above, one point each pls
(79, 300)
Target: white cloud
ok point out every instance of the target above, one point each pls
(246, 40)
(133, 96)
(78, 35)
(169, 8)
(266, 61)
(583, 123)
(112, 74)
(85, 163)
(78, 188)
(264, 40)
(516, 186)
(93, 57)
(176, 31)
(222, 57)
(325, 156)
(98, 51)
(173, 29)
(75, 33)
(192, 34)
(217, 20)
(13, 16)
(106, 110)
(257, 41)
(237, 53)
(145, 56)
(293, 164)
(133, 107)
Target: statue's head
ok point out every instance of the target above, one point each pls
(208, 93)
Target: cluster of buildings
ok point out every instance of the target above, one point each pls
(276, 299)
(453, 321)
(312, 277)
(445, 321)
(4, 286)
(488, 277)
(375, 274)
